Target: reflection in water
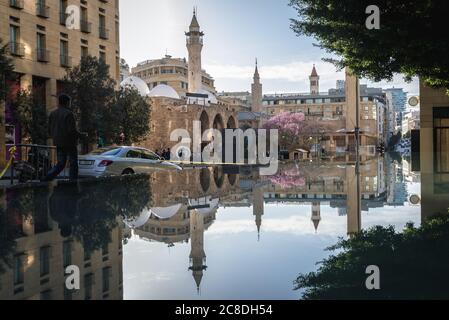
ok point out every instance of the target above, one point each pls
(193, 213)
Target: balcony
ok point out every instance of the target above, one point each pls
(104, 33)
(16, 4)
(65, 61)
(42, 55)
(16, 49)
(42, 10)
(86, 27)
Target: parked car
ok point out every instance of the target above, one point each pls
(122, 161)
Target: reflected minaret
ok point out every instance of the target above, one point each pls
(353, 203)
(316, 214)
(258, 208)
(197, 254)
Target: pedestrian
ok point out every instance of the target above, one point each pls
(62, 129)
(163, 154)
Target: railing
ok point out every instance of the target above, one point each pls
(17, 4)
(42, 55)
(66, 61)
(104, 33)
(42, 10)
(32, 162)
(17, 49)
(85, 26)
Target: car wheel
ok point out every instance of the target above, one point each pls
(127, 172)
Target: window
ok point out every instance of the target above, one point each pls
(133, 154)
(41, 47)
(103, 56)
(88, 284)
(64, 53)
(19, 270)
(67, 253)
(14, 38)
(84, 51)
(62, 14)
(44, 258)
(106, 275)
(150, 155)
(441, 139)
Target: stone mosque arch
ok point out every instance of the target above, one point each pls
(231, 123)
(219, 177)
(205, 179)
(218, 122)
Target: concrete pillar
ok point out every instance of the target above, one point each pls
(353, 200)
(51, 94)
(352, 96)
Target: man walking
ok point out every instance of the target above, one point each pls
(63, 131)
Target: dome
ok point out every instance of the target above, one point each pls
(212, 99)
(164, 90)
(137, 222)
(213, 204)
(166, 212)
(136, 83)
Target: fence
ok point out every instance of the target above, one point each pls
(31, 162)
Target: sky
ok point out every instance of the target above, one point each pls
(236, 32)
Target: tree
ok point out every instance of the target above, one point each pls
(130, 115)
(412, 38)
(6, 71)
(413, 264)
(31, 116)
(294, 131)
(92, 91)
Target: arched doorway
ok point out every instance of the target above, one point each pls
(204, 119)
(219, 177)
(231, 123)
(205, 179)
(218, 122)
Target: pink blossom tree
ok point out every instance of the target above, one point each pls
(294, 131)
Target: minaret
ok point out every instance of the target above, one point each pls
(195, 46)
(197, 254)
(316, 214)
(314, 82)
(258, 208)
(256, 92)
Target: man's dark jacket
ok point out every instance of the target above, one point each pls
(62, 128)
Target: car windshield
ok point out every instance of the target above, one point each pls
(106, 151)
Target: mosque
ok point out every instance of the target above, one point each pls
(176, 104)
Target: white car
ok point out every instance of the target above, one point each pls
(120, 161)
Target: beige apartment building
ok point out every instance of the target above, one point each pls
(172, 72)
(434, 150)
(44, 41)
(334, 113)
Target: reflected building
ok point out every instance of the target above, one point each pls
(41, 248)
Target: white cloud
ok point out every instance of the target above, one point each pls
(293, 75)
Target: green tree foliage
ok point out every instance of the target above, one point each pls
(130, 115)
(6, 71)
(32, 117)
(412, 38)
(92, 91)
(413, 264)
